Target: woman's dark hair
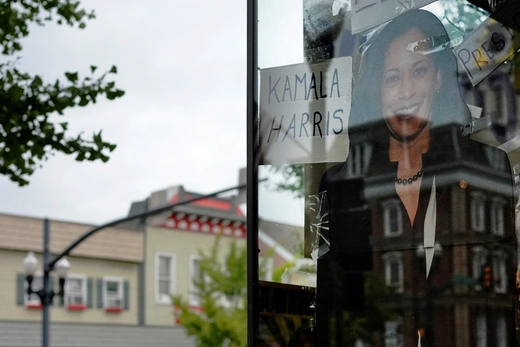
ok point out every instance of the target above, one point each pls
(448, 106)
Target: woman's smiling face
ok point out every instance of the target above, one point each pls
(408, 86)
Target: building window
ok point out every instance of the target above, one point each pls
(359, 159)
(393, 336)
(195, 276)
(394, 270)
(478, 221)
(481, 330)
(113, 293)
(497, 217)
(393, 218)
(501, 332)
(164, 277)
(480, 256)
(76, 291)
(500, 271)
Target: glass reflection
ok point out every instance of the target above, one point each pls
(421, 247)
(411, 240)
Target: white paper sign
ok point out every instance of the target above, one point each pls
(367, 14)
(491, 43)
(304, 112)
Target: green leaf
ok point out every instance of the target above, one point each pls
(37, 82)
(72, 76)
(83, 101)
(27, 136)
(113, 69)
(15, 92)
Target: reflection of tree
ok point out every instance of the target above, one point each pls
(462, 14)
(292, 179)
(362, 325)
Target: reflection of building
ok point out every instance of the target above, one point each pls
(468, 299)
(476, 229)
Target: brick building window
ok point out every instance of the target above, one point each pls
(497, 216)
(481, 330)
(392, 218)
(394, 270)
(500, 271)
(477, 211)
(480, 255)
(501, 331)
(359, 159)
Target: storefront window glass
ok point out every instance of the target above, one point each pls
(388, 138)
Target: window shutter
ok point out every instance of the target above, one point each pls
(89, 292)
(126, 295)
(99, 289)
(20, 289)
(51, 287)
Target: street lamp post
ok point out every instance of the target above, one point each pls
(61, 265)
(30, 265)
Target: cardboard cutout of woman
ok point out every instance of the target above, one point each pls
(403, 224)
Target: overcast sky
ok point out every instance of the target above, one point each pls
(182, 120)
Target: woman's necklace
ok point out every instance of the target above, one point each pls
(405, 181)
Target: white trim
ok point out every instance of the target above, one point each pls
(499, 265)
(161, 298)
(497, 226)
(481, 322)
(84, 293)
(194, 299)
(501, 332)
(120, 292)
(480, 198)
(275, 246)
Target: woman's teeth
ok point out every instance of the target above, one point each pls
(407, 111)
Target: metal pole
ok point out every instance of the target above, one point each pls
(50, 265)
(45, 297)
(252, 173)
